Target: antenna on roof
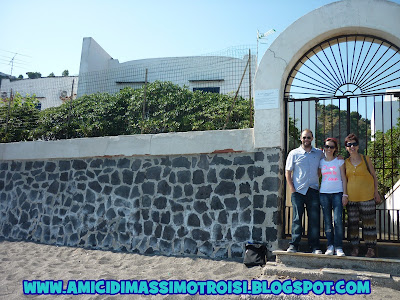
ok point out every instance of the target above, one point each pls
(11, 62)
(263, 36)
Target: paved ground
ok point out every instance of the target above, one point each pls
(29, 261)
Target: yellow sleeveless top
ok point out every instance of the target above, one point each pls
(360, 183)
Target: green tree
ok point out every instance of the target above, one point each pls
(21, 77)
(51, 75)
(19, 118)
(332, 122)
(65, 73)
(33, 75)
(384, 151)
(294, 135)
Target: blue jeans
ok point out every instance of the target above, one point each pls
(329, 203)
(311, 201)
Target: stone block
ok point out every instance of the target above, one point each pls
(79, 164)
(198, 177)
(271, 184)
(193, 220)
(259, 216)
(272, 201)
(212, 176)
(127, 177)
(153, 173)
(220, 161)
(163, 188)
(227, 174)
(204, 192)
(242, 234)
(148, 188)
(245, 188)
(184, 176)
(225, 188)
(231, 204)
(243, 160)
(181, 162)
(189, 246)
(237, 251)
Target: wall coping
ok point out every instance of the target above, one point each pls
(175, 143)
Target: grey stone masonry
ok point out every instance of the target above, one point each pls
(202, 204)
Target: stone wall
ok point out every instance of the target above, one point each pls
(202, 204)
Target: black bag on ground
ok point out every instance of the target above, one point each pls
(254, 255)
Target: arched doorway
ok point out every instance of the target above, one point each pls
(341, 27)
(351, 83)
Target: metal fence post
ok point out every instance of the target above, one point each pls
(144, 101)
(8, 112)
(250, 99)
(69, 110)
(237, 92)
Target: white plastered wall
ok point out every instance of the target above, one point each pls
(48, 90)
(174, 143)
(372, 17)
(93, 57)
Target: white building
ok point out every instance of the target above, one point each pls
(390, 207)
(386, 113)
(50, 91)
(99, 72)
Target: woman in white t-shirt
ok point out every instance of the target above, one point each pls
(333, 195)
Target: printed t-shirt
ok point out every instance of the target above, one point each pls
(331, 176)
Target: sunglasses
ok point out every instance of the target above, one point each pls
(351, 144)
(330, 147)
(307, 137)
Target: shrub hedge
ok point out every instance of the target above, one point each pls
(168, 108)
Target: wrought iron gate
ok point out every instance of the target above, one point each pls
(350, 84)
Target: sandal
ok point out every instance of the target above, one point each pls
(354, 252)
(370, 253)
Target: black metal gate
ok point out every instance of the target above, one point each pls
(351, 84)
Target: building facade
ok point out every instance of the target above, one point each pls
(50, 91)
(99, 72)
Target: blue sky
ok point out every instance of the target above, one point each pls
(47, 35)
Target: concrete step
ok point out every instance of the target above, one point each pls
(380, 271)
(384, 250)
(309, 260)
(331, 274)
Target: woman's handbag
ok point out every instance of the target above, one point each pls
(380, 194)
(254, 255)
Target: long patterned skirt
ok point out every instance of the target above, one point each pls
(367, 212)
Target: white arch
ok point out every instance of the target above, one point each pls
(380, 18)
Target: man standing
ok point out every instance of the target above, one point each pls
(303, 181)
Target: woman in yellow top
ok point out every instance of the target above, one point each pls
(362, 189)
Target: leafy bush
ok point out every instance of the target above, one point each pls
(385, 153)
(18, 118)
(168, 108)
(87, 116)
